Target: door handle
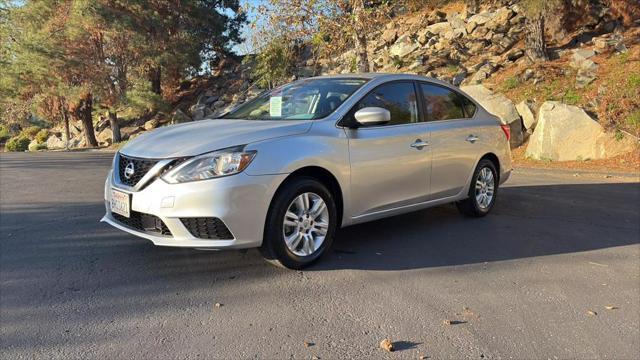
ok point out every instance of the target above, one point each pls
(419, 144)
(471, 138)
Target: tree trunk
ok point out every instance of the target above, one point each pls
(65, 119)
(535, 44)
(83, 113)
(155, 77)
(360, 37)
(115, 127)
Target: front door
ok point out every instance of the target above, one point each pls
(390, 164)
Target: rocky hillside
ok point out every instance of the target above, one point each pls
(583, 104)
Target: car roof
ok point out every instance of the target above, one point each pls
(383, 76)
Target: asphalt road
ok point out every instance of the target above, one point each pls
(555, 247)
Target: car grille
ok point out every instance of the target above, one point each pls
(207, 228)
(143, 222)
(141, 168)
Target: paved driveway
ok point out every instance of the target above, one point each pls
(519, 282)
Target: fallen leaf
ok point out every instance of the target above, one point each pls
(592, 313)
(387, 345)
(598, 264)
(423, 357)
(217, 305)
(307, 344)
(453, 322)
(611, 307)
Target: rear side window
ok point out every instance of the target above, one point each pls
(397, 97)
(469, 106)
(441, 103)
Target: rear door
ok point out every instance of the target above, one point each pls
(455, 138)
(388, 169)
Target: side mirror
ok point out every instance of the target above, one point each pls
(372, 116)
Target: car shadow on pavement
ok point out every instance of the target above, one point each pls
(528, 221)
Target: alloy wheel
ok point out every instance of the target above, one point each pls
(305, 224)
(485, 188)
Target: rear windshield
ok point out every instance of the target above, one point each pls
(301, 100)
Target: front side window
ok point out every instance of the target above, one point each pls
(441, 103)
(397, 97)
(307, 99)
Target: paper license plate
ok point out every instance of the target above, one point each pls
(120, 203)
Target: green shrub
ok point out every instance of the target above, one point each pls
(42, 136)
(634, 118)
(30, 132)
(571, 97)
(619, 135)
(634, 80)
(4, 133)
(397, 61)
(35, 146)
(18, 143)
(512, 83)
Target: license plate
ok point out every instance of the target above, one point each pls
(120, 203)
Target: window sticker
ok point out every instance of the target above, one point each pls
(275, 106)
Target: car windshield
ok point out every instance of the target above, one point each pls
(301, 100)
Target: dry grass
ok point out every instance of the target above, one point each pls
(618, 83)
(627, 163)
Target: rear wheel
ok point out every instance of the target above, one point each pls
(300, 225)
(483, 191)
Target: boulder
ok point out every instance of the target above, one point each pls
(587, 73)
(500, 106)
(403, 47)
(580, 55)
(584, 78)
(565, 133)
(180, 117)
(106, 136)
(481, 18)
(472, 25)
(526, 112)
(197, 111)
(130, 132)
(389, 36)
(515, 54)
(33, 145)
(459, 77)
(102, 124)
(436, 16)
(443, 29)
(55, 143)
(218, 104)
(482, 73)
(151, 124)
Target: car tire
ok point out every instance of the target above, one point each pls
(476, 205)
(279, 224)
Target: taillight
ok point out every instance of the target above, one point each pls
(507, 131)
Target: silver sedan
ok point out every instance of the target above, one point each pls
(285, 170)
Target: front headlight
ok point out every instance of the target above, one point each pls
(215, 164)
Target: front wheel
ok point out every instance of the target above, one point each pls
(300, 225)
(483, 191)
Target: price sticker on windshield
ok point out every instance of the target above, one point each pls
(275, 106)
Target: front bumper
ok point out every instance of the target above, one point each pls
(241, 201)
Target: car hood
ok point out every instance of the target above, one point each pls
(198, 137)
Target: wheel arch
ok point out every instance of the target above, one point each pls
(325, 177)
(494, 159)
